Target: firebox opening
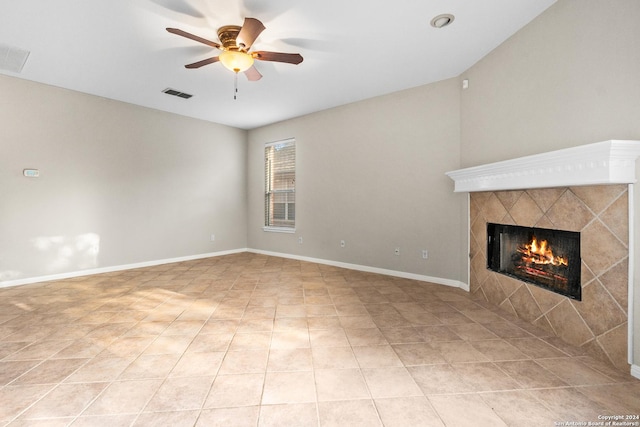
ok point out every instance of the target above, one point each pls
(540, 256)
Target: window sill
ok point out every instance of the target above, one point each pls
(279, 229)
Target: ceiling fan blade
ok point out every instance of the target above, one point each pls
(249, 32)
(252, 74)
(203, 62)
(289, 58)
(193, 37)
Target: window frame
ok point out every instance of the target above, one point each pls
(269, 192)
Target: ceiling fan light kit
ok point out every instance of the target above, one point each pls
(236, 61)
(235, 43)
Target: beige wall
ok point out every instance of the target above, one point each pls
(371, 173)
(119, 184)
(568, 78)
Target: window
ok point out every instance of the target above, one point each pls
(280, 186)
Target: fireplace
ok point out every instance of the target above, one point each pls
(584, 189)
(543, 257)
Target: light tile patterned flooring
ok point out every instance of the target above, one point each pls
(246, 340)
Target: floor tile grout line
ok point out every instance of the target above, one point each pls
(54, 387)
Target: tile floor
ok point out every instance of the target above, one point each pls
(247, 340)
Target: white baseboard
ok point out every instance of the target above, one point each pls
(111, 269)
(635, 371)
(368, 269)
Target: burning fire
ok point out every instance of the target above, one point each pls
(540, 253)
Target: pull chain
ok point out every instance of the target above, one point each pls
(235, 86)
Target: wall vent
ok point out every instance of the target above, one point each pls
(12, 58)
(174, 92)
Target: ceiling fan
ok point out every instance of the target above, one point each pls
(235, 43)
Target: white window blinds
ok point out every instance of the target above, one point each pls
(280, 184)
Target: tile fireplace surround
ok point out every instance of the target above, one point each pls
(582, 189)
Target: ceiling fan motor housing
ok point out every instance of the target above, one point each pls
(228, 35)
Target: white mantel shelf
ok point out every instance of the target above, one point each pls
(608, 162)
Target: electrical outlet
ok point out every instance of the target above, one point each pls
(213, 237)
(397, 252)
(425, 254)
(342, 244)
(300, 240)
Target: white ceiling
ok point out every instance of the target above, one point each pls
(352, 50)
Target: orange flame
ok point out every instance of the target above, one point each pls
(541, 253)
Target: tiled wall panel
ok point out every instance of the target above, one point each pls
(598, 323)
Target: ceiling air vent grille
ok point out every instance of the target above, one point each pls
(177, 93)
(12, 58)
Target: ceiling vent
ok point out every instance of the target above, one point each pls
(12, 58)
(174, 92)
